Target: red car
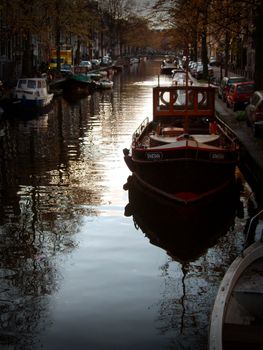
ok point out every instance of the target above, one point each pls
(239, 95)
(225, 84)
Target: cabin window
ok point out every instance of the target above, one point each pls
(22, 84)
(248, 88)
(202, 100)
(31, 84)
(179, 99)
(164, 100)
(180, 102)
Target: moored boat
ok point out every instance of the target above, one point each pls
(168, 65)
(32, 92)
(29, 98)
(185, 150)
(104, 84)
(237, 315)
(30, 95)
(80, 84)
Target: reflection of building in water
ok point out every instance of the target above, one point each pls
(40, 160)
(28, 276)
(40, 205)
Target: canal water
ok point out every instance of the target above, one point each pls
(80, 267)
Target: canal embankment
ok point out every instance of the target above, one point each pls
(251, 147)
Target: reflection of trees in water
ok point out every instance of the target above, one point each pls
(183, 309)
(28, 271)
(27, 278)
(189, 290)
(197, 258)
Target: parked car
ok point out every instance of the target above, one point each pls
(106, 61)
(190, 65)
(198, 72)
(239, 95)
(193, 68)
(225, 85)
(254, 112)
(95, 63)
(66, 69)
(212, 61)
(86, 64)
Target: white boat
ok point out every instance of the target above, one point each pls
(168, 65)
(237, 315)
(134, 60)
(104, 84)
(32, 93)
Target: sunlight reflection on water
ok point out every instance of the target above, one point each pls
(82, 274)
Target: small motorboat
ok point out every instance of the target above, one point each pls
(29, 98)
(168, 65)
(104, 83)
(32, 93)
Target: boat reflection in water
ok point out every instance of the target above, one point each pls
(184, 230)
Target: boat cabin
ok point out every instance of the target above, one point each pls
(31, 88)
(192, 101)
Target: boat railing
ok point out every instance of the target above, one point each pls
(227, 132)
(138, 132)
(252, 227)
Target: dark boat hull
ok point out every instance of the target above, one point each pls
(78, 87)
(183, 174)
(15, 107)
(168, 69)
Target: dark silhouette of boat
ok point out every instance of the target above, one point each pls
(185, 230)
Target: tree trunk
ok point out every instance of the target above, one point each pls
(227, 48)
(77, 57)
(204, 16)
(195, 45)
(58, 48)
(27, 62)
(204, 55)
